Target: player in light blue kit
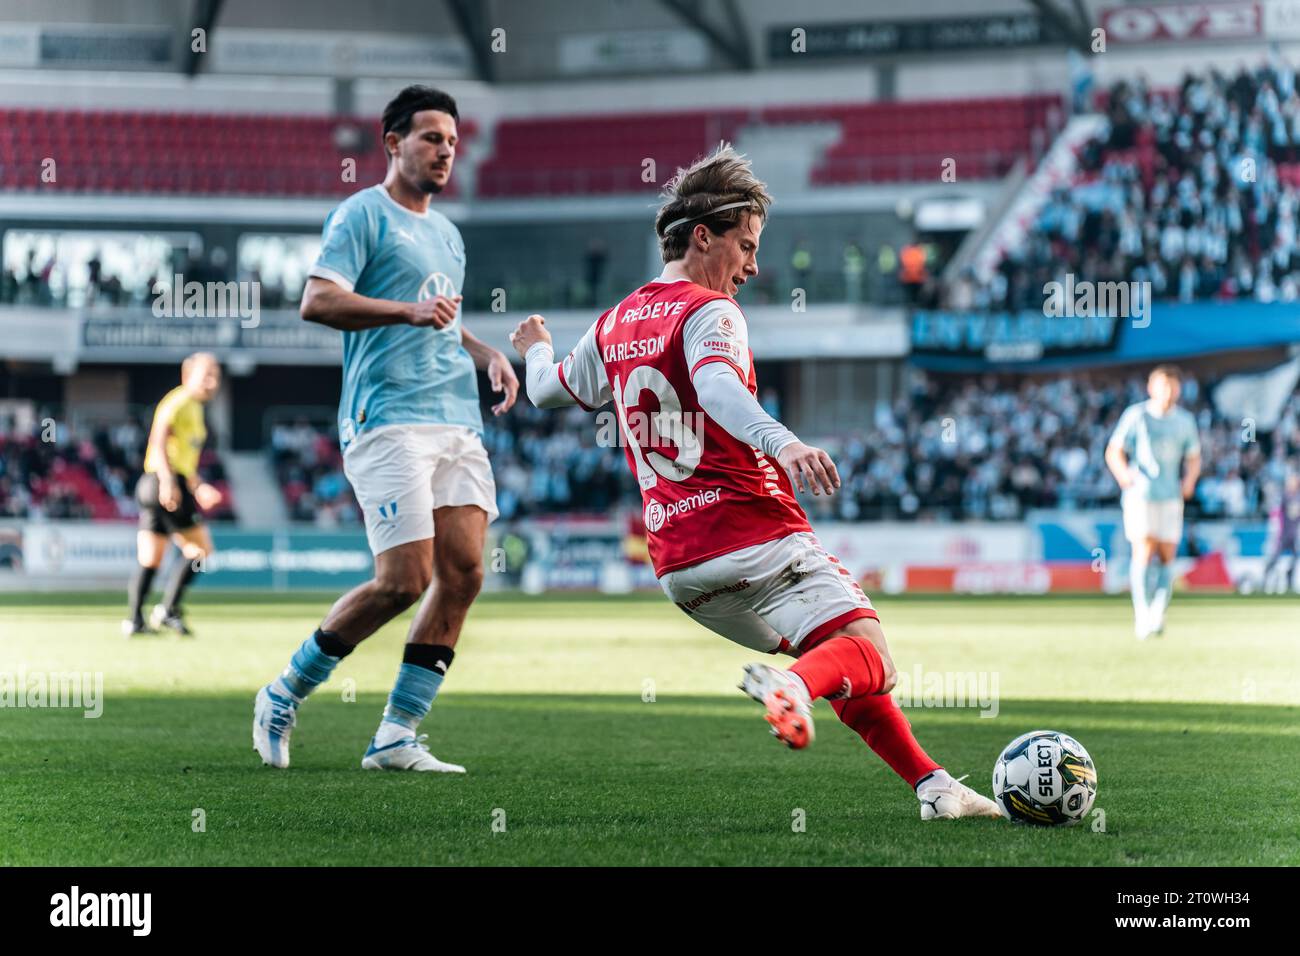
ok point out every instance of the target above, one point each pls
(1155, 455)
(389, 277)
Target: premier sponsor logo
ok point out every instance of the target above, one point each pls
(658, 514)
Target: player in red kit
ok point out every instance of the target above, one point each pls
(729, 542)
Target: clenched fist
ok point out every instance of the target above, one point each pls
(528, 333)
(439, 312)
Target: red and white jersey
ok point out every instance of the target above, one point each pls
(705, 493)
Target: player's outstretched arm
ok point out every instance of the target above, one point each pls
(532, 341)
(728, 402)
(578, 380)
(330, 304)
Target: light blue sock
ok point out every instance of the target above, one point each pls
(412, 696)
(1137, 580)
(1164, 586)
(308, 669)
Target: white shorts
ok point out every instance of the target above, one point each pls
(401, 473)
(1162, 520)
(772, 596)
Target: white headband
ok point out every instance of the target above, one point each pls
(726, 205)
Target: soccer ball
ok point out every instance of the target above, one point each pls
(1045, 778)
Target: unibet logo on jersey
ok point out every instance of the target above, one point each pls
(656, 515)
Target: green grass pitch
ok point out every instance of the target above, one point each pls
(1196, 738)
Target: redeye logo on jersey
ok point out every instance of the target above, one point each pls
(660, 310)
(658, 514)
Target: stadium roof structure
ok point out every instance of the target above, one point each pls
(540, 39)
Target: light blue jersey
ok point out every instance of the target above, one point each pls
(1156, 446)
(399, 374)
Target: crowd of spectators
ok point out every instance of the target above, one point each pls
(309, 468)
(991, 450)
(544, 463)
(51, 470)
(1193, 190)
(946, 449)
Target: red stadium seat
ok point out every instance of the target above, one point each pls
(172, 153)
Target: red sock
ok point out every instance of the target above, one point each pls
(827, 667)
(879, 721)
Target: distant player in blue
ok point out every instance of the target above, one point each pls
(1284, 534)
(389, 277)
(1155, 455)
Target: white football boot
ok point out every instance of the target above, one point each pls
(407, 753)
(940, 801)
(1142, 628)
(274, 717)
(1156, 620)
(789, 708)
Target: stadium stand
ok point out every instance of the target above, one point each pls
(879, 142)
(1019, 445)
(88, 473)
(991, 450)
(1192, 189)
(907, 141)
(138, 152)
(309, 468)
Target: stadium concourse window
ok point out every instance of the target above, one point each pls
(279, 263)
(58, 463)
(77, 269)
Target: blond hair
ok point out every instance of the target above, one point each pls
(723, 178)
